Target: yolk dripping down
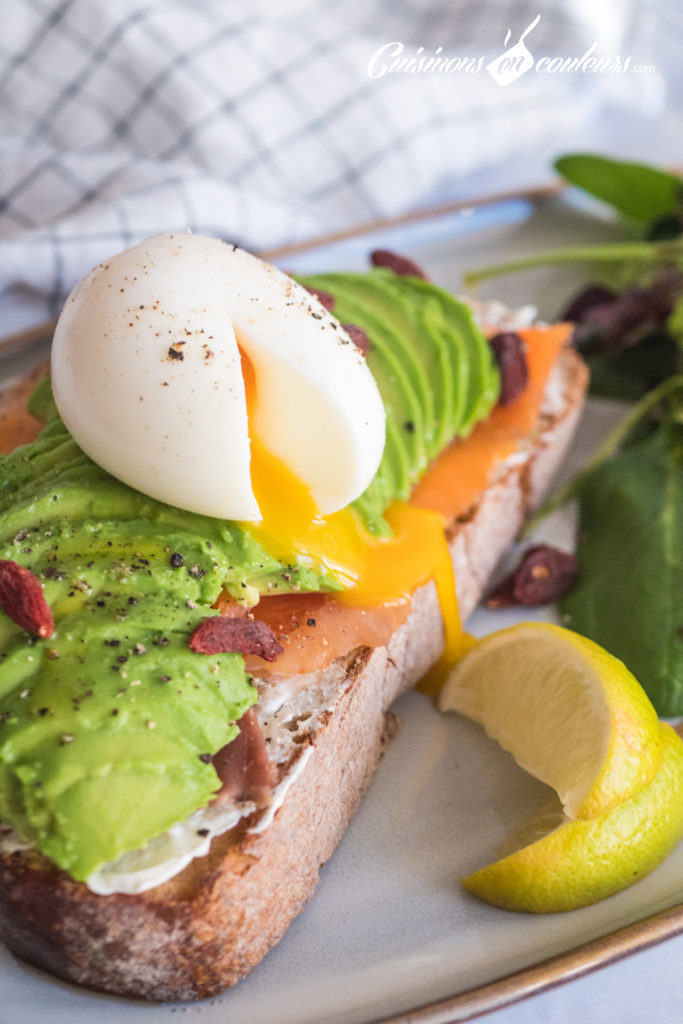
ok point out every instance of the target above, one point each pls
(376, 570)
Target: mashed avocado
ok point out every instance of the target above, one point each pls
(107, 729)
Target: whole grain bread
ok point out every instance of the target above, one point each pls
(207, 927)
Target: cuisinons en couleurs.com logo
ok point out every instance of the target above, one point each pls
(514, 61)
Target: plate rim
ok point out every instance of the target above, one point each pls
(533, 194)
(586, 958)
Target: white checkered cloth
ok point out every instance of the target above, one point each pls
(257, 122)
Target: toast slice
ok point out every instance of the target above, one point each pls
(209, 925)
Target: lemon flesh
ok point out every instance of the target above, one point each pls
(582, 862)
(569, 713)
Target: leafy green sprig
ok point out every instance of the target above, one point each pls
(629, 591)
(648, 254)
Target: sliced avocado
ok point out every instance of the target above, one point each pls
(127, 579)
(110, 716)
(108, 727)
(418, 313)
(41, 403)
(388, 309)
(405, 388)
(471, 359)
(447, 371)
(388, 482)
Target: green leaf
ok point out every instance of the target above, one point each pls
(629, 592)
(634, 189)
(626, 375)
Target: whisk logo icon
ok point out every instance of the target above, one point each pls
(513, 63)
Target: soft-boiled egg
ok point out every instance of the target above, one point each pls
(148, 372)
(210, 380)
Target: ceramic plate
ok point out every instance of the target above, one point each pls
(390, 930)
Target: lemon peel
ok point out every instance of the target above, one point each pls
(570, 713)
(582, 862)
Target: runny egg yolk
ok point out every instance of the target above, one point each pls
(376, 570)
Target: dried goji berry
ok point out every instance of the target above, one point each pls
(544, 574)
(218, 634)
(359, 337)
(510, 355)
(401, 265)
(23, 600)
(324, 298)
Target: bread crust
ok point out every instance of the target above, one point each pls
(203, 930)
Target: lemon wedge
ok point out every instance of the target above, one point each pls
(582, 862)
(569, 713)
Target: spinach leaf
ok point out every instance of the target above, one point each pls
(629, 592)
(631, 372)
(637, 190)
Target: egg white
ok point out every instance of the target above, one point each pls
(147, 377)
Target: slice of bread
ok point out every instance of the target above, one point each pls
(208, 926)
